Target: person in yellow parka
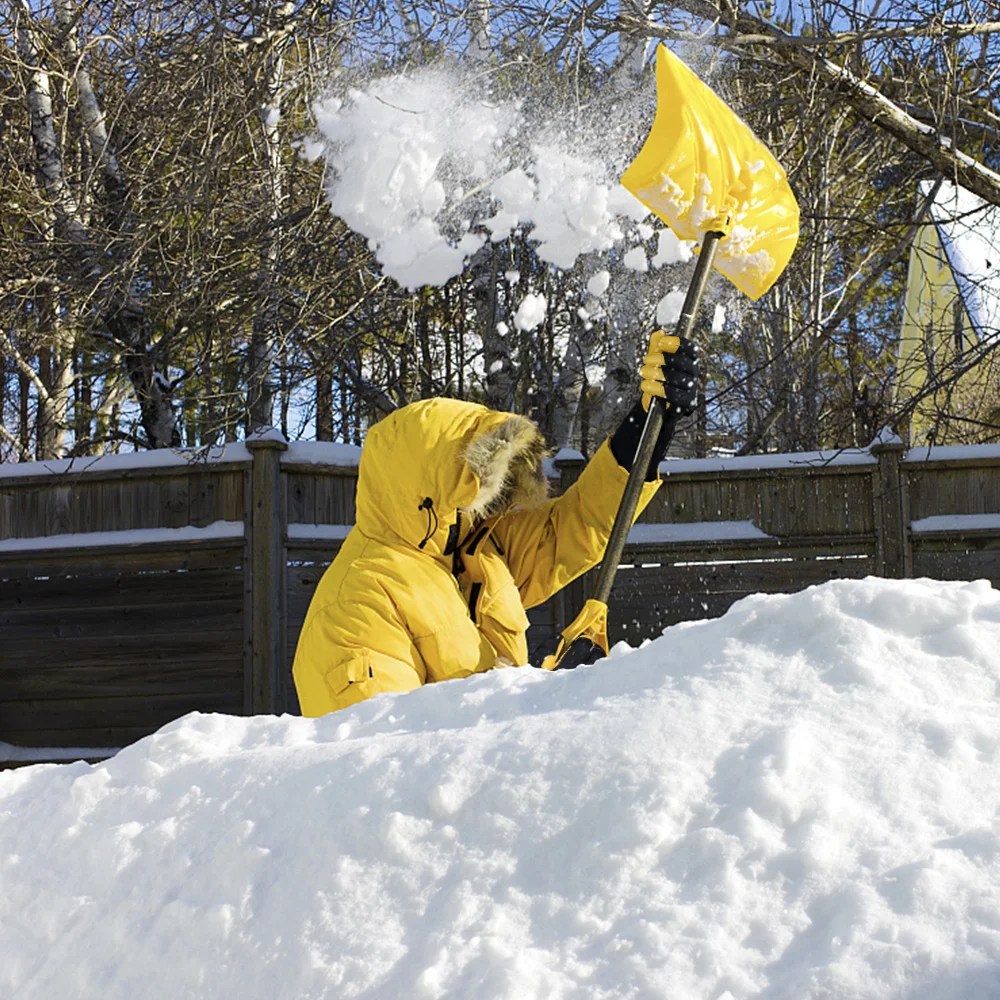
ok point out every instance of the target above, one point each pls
(454, 538)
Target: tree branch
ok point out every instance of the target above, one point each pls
(865, 99)
(7, 436)
(23, 365)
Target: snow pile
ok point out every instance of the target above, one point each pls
(798, 800)
(427, 170)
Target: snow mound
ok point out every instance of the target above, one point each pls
(798, 800)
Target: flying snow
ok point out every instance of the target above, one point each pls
(718, 319)
(531, 312)
(635, 260)
(565, 203)
(420, 165)
(668, 309)
(798, 801)
(391, 149)
(671, 250)
(598, 283)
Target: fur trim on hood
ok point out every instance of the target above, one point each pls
(507, 461)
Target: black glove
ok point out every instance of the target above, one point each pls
(671, 374)
(670, 370)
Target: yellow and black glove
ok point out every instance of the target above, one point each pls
(669, 370)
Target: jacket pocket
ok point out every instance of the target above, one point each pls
(351, 680)
(505, 608)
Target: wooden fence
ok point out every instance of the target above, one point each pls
(134, 589)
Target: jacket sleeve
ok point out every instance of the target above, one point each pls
(551, 545)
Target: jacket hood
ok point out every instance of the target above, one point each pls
(425, 462)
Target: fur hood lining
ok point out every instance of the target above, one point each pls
(507, 461)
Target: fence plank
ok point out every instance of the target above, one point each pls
(129, 677)
(144, 712)
(935, 490)
(202, 616)
(174, 503)
(790, 501)
(94, 734)
(213, 497)
(334, 501)
(46, 590)
(302, 499)
(972, 557)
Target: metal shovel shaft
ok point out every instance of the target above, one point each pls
(655, 418)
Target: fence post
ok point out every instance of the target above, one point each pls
(894, 555)
(569, 463)
(266, 520)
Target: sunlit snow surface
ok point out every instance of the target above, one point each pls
(798, 800)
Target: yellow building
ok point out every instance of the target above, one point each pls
(948, 376)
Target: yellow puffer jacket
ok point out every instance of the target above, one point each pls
(452, 541)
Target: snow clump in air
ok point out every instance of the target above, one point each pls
(668, 309)
(671, 250)
(798, 800)
(385, 147)
(718, 319)
(420, 165)
(531, 312)
(635, 260)
(598, 283)
(565, 202)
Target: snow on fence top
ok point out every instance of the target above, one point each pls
(233, 451)
(216, 531)
(749, 463)
(964, 523)
(695, 531)
(349, 456)
(322, 453)
(953, 453)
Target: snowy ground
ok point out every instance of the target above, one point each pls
(798, 800)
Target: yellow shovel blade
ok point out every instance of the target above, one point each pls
(591, 623)
(702, 170)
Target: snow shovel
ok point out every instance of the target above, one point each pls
(704, 173)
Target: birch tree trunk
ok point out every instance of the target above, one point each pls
(480, 50)
(56, 372)
(265, 331)
(91, 112)
(53, 378)
(48, 161)
(123, 315)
